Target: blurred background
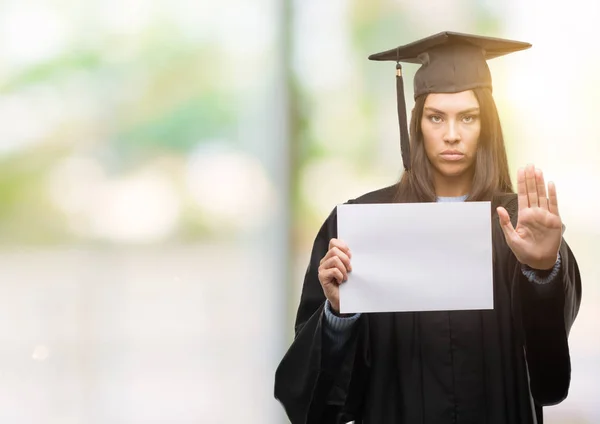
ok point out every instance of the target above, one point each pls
(165, 166)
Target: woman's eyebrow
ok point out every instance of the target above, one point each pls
(434, 110)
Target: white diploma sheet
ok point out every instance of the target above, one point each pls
(417, 256)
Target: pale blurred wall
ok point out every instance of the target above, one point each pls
(133, 335)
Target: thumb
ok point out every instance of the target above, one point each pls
(505, 224)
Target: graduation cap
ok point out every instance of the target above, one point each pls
(451, 62)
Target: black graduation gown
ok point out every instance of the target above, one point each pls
(496, 366)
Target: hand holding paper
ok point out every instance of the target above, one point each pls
(333, 271)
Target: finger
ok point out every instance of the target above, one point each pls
(552, 199)
(522, 190)
(337, 276)
(336, 262)
(506, 225)
(541, 189)
(335, 251)
(503, 216)
(334, 242)
(531, 187)
(343, 257)
(331, 275)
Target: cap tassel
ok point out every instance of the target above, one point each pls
(404, 140)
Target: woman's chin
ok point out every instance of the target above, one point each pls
(452, 170)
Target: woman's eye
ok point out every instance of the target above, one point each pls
(468, 119)
(436, 119)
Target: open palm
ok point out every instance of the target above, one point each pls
(536, 239)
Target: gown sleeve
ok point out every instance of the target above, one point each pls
(544, 315)
(313, 383)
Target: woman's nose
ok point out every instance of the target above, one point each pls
(452, 134)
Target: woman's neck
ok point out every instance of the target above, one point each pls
(452, 186)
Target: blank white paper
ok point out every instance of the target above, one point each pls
(417, 257)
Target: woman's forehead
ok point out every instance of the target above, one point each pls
(452, 101)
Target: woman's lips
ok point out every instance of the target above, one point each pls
(452, 155)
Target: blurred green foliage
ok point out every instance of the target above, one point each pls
(160, 93)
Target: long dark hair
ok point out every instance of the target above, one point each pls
(491, 174)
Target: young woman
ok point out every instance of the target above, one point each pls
(498, 366)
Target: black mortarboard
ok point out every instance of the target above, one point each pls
(450, 63)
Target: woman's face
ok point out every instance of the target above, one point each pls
(451, 128)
